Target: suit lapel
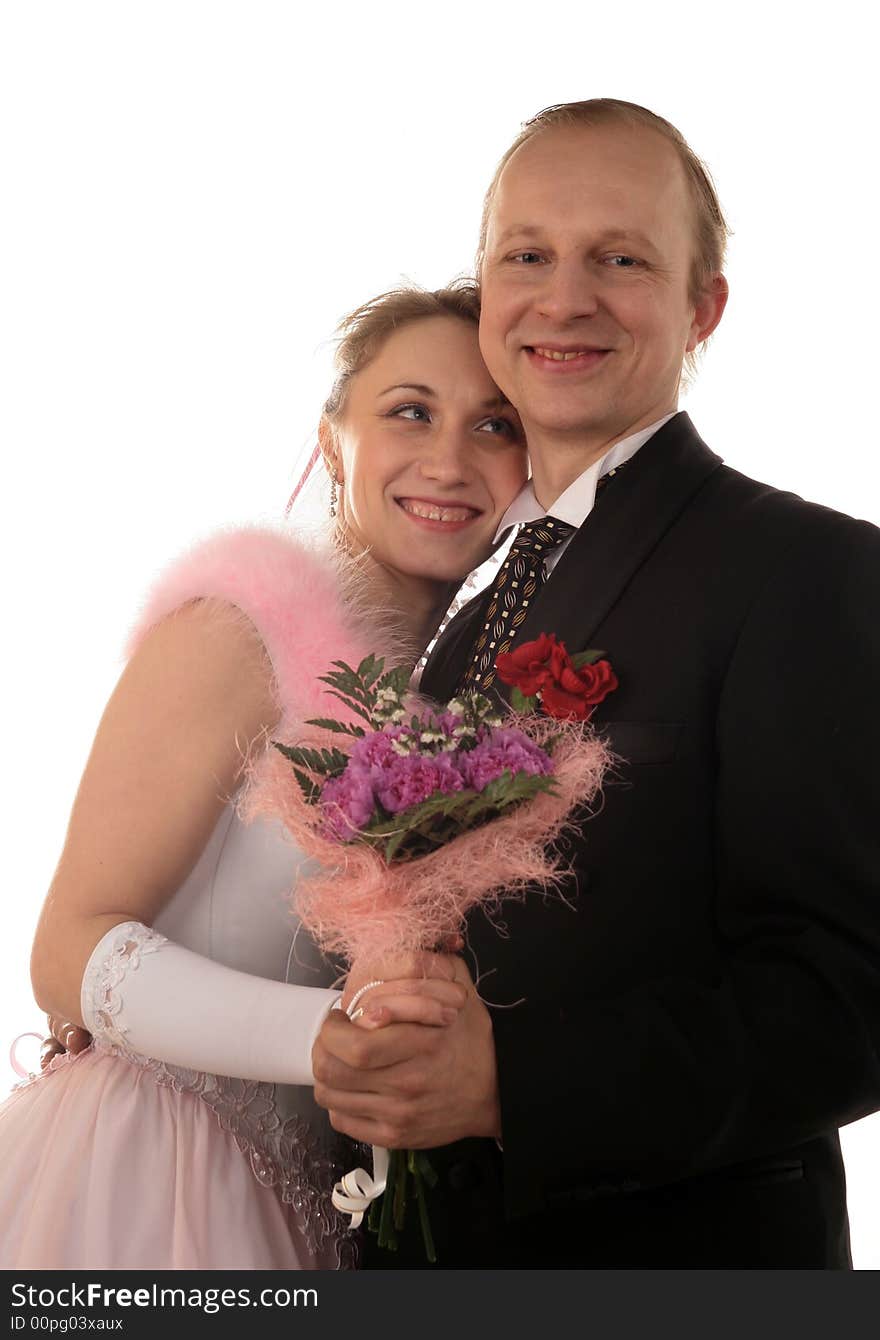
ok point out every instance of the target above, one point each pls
(617, 537)
(446, 664)
(620, 534)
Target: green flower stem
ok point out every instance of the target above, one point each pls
(390, 1219)
(387, 1236)
(399, 1190)
(427, 1235)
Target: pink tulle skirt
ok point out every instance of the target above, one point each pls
(102, 1167)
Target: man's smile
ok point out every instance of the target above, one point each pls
(563, 359)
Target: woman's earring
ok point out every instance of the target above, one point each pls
(334, 494)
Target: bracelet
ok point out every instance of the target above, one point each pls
(361, 991)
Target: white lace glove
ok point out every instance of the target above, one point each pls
(142, 993)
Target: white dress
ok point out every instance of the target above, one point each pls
(115, 1161)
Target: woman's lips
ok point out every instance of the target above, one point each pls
(563, 362)
(434, 515)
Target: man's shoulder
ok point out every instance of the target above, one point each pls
(736, 500)
(749, 506)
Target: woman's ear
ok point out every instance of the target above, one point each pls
(329, 444)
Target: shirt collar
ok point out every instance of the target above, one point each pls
(576, 503)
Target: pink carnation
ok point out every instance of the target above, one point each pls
(447, 771)
(348, 804)
(412, 779)
(505, 750)
(372, 753)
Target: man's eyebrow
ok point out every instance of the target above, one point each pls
(608, 235)
(520, 230)
(627, 235)
(490, 402)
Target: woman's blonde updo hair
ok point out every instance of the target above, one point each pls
(362, 333)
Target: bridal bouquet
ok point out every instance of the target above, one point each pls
(418, 812)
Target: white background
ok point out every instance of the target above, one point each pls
(194, 193)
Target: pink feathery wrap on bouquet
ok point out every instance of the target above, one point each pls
(304, 600)
(358, 904)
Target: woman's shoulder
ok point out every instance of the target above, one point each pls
(298, 598)
(262, 570)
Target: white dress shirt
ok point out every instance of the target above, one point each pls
(578, 500)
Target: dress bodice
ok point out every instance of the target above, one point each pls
(234, 906)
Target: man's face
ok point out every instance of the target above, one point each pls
(586, 312)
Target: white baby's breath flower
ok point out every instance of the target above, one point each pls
(432, 737)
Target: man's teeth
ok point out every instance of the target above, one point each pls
(432, 513)
(560, 357)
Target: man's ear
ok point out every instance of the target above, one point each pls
(329, 444)
(708, 311)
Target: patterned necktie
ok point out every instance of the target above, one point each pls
(604, 480)
(520, 576)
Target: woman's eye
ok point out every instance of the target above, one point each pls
(417, 413)
(527, 257)
(622, 262)
(497, 427)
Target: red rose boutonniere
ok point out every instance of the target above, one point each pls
(567, 687)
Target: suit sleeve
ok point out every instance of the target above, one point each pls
(783, 1043)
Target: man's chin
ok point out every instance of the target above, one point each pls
(579, 423)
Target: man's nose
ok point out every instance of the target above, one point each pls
(570, 290)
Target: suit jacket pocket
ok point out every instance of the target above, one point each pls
(755, 1173)
(767, 1173)
(642, 742)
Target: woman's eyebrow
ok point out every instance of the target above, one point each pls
(490, 401)
(409, 386)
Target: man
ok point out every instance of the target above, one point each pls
(663, 1060)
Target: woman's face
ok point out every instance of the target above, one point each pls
(430, 453)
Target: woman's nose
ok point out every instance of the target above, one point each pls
(446, 458)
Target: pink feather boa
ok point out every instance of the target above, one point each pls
(302, 598)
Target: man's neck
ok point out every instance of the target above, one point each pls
(558, 459)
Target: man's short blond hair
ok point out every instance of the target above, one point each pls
(710, 227)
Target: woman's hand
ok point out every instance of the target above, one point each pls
(421, 988)
(408, 1000)
(64, 1037)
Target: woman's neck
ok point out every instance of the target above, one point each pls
(418, 603)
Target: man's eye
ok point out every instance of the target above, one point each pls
(622, 262)
(417, 413)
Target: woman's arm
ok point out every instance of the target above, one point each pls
(194, 699)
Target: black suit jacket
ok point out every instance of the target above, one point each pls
(679, 1039)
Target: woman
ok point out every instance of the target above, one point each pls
(164, 932)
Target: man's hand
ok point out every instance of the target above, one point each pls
(405, 1085)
